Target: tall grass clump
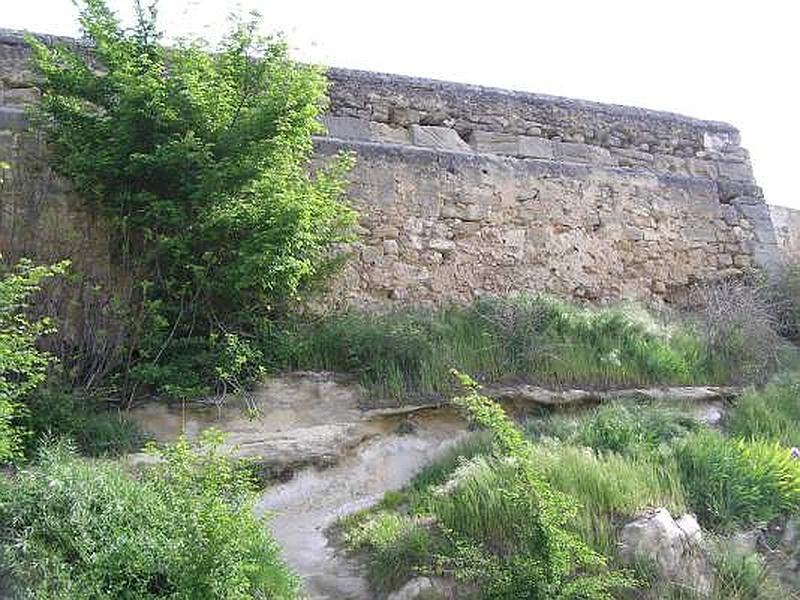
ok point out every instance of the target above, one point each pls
(410, 351)
(736, 483)
(80, 529)
(769, 413)
(395, 546)
(624, 427)
(609, 488)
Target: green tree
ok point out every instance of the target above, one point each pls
(22, 365)
(199, 157)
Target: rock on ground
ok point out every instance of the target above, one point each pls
(674, 547)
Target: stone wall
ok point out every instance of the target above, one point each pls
(465, 190)
(787, 231)
(468, 190)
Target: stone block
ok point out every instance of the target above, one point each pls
(490, 142)
(582, 153)
(403, 116)
(20, 96)
(441, 138)
(535, 147)
(382, 132)
(14, 119)
(347, 128)
(737, 171)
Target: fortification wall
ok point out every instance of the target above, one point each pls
(465, 190)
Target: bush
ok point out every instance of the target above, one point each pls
(629, 428)
(198, 157)
(396, 547)
(732, 483)
(785, 290)
(609, 488)
(770, 413)
(502, 512)
(740, 331)
(23, 367)
(96, 429)
(632, 429)
(79, 529)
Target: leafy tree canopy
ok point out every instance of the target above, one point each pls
(199, 157)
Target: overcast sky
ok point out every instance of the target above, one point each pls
(734, 60)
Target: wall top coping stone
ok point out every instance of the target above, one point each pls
(16, 38)
(371, 78)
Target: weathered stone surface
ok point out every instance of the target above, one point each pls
(674, 547)
(347, 128)
(591, 231)
(13, 119)
(441, 138)
(547, 397)
(494, 142)
(381, 132)
(786, 223)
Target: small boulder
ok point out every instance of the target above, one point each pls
(674, 547)
(415, 589)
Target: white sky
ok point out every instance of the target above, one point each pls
(734, 60)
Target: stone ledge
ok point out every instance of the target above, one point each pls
(446, 159)
(367, 78)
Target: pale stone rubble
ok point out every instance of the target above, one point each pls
(674, 547)
(787, 231)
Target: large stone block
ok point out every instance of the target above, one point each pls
(347, 128)
(13, 119)
(490, 142)
(441, 138)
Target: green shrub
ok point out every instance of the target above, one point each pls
(737, 323)
(742, 574)
(79, 529)
(630, 428)
(505, 511)
(23, 367)
(397, 546)
(769, 413)
(732, 483)
(197, 156)
(624, 427)
(96, 429)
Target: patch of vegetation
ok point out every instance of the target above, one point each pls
(609, 488)
(23, 367)
(628, 428)
(409, 351)
(736, 483)
(494, 522)
(95, 429)
(769, 413)
(197, 156)
(396, 547)
(80, 529)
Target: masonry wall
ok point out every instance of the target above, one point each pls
(465, 190)
(468, 190)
